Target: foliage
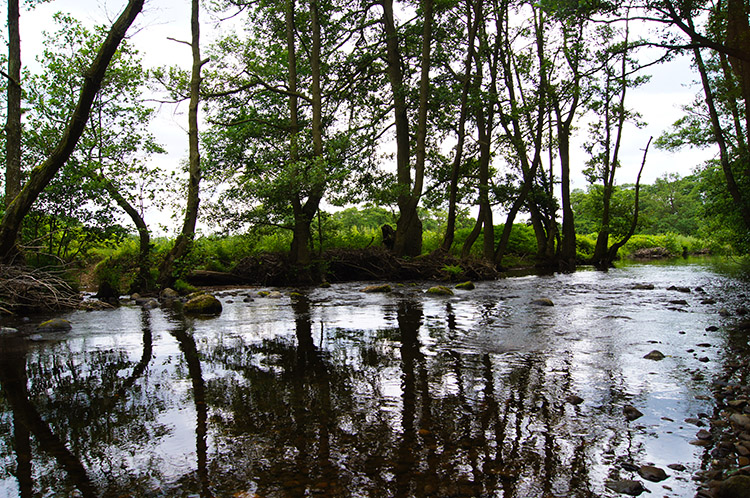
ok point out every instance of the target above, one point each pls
(75, 210)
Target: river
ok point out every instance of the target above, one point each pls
(336, 392)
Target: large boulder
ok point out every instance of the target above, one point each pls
(203, 304)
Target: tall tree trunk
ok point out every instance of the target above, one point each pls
(41, 175)
(568, 242)
(305, 213)
(184, 242)
(13, 125)
(738, 196)
(408, 227)
(461, 134)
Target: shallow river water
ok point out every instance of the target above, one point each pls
(336, 392)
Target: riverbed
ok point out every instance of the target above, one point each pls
(337, 392)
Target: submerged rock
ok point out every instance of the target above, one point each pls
(543, 301)
(440, 290)
(55, 325)
(626, 486)
(204, 304)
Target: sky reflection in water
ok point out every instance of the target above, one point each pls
(340, 393)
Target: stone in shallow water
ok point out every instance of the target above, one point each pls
(652, 473)
(543, 302)
(377, 288)
(54, 325)
(677, 466)
(204, 304)
(631, 412)
(574, 400)
(655, 355)
(628, 487)
(440, 290)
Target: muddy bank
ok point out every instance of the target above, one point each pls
(344, 265)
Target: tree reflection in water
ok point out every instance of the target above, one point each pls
(316, 406)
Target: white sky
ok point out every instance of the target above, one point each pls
(659, 101)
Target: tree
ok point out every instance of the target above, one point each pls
(408, 240)
(606, 133)
(13, 124)
(109, 164)
(41, 175)
(289, 114)
(182, 245)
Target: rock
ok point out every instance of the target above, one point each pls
(543, 301)
(440, 290)
(631, 413)
(679, 302)
(107, 292)
(742, 311)
(695, 421)
(325, 285)
(704, 435)
(704, 359)
(148, 304)
(263, 293)
(377, 288)
(708, 301)
(740, 419)
(135, 296)
(8, 331)
(677, 466)
(652, 473)
(679, 288)
(55, 325)
(169, 294)
(655, 355)
(643, 287)
(574, 400)
(274, 295)
(628, 487)
(712, 328)
(724, 312)
(466, 285)
(204, 304)
(737, 486)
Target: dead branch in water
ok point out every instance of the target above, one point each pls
(34, 289)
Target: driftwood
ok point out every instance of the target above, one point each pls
(23, 288)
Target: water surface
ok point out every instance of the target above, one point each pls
(334, 392)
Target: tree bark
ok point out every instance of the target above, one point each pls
(184, 240)
(41, 175)
(13, 124)
(141, 283)
(408, 227)
(450, 230)
(733, 188)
